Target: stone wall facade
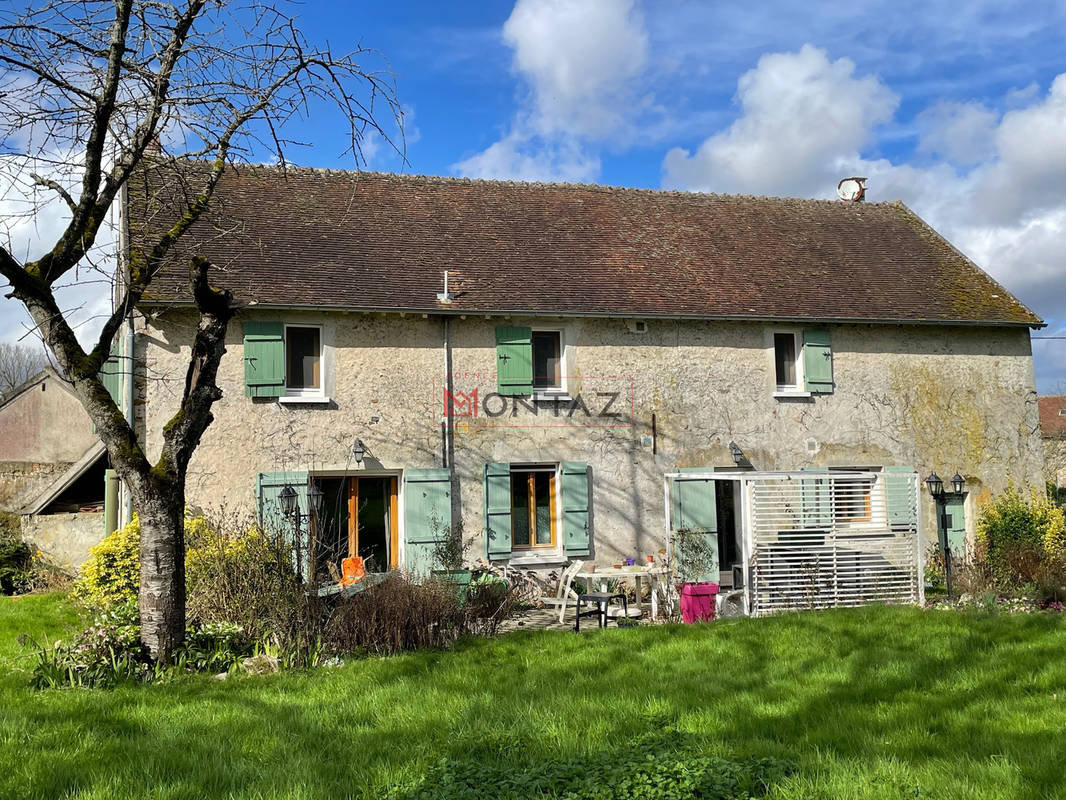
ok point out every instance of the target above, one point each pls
(1055, 461)
(941, 398)
(22, 482)
(64, 539)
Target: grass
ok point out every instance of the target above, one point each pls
(870, 703)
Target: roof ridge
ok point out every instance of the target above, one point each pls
(358, 174)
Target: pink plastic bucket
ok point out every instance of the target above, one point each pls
(697, 601)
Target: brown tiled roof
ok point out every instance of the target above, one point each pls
(1052, 422)
(305, 237)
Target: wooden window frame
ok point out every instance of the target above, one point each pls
(553, 493)
(394, 519)
(851, 514)
(298, 391)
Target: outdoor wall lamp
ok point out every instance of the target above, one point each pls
(316, 495)
(936, 489)
(359, 451)
(290, 507)
(288, 501)
(736, 453)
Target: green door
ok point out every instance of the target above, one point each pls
(952, 524)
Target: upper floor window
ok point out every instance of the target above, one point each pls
(529, 362)
(547, 360)
(786, 363)
(303, 360)
(803, 362)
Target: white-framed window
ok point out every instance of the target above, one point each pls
(548, 360)
(788, 361)
(303, 361)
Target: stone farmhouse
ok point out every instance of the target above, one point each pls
(530, 360)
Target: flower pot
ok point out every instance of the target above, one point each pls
(697, 601)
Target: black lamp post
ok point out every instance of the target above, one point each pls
(359, 451)
(291, 508)
(936, 489)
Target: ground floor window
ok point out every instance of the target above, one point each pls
(359, 517)
(532, 508)
(852, 496)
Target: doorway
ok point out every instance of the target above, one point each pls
(359, 517)
(727, 499)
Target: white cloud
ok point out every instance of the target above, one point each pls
(533, 159)
(580, 58)
(1030, 170)
(580, 62)
(960, 132)
(803, 120)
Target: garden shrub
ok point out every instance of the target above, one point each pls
(396, 615)
(16, 559)
(1023, 541)
(656, 767)
(112, 574)
(241, 575)
(489, 600)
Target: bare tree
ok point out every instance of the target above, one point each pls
(19, 363)
(92, 91)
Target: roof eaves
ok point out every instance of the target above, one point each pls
(515, 312)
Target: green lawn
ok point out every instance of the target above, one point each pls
(885, 703)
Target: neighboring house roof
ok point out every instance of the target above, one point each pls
(1053, 416)
(313, 238)
(67, 479)
(48, 373)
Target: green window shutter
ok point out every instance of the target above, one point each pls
(497, 511)
(576, 507)
(899, 496)
(273, 520)
(110, 375)
(514, 360)
(264, 358)
(817, 362)
(427, 510)
(695, 508)
(816, 507)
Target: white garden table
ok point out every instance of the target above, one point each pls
(653, 574)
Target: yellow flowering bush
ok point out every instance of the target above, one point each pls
(1021, 537)
(112, 575)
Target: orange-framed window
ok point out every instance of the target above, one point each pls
(533, 509)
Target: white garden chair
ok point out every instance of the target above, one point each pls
(564, 594)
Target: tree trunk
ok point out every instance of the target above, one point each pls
(162, 592)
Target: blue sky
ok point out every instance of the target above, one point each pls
(951, 107)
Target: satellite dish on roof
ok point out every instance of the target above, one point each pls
(852, 190)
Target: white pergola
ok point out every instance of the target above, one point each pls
(819, 539)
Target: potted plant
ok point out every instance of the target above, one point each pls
(449, 551)
(695, 558)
